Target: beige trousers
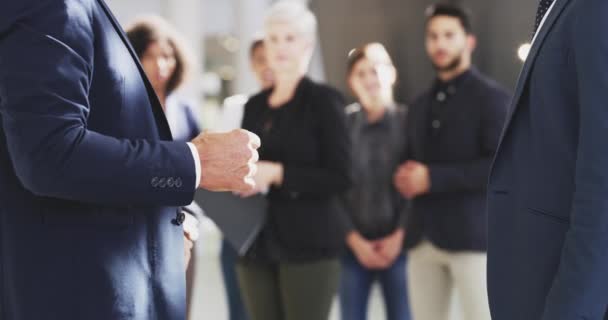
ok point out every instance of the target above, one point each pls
(433, 274)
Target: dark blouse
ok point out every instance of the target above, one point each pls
(308, 136)
(372, 206)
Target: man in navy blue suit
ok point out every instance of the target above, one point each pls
(90, 181)
(548, 191)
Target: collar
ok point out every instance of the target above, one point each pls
(382, 122)
(442, 90)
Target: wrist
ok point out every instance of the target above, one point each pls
(353, 238)
(427, 179)
(400, 232)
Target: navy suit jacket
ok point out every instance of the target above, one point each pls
(89, 179)
(548, 199)
(453, 214)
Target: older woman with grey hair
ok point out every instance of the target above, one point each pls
(292, 270)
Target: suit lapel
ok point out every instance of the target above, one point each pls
(524, 75)
(157, 110)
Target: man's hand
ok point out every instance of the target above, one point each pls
(191, 234)
(188, 245)
(366, 252)
(228, 160)
(268, 174)
(390, 246)
(412, 179)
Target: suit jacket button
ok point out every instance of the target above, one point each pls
(441, 96)
(179, 218)
(178, 183)
(170, 182)
(162, 182)
(154, 182)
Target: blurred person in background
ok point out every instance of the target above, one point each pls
(373, 211)
(231, 118)
(292, 271)
(167, 61)
(454, 129)
(233, 108)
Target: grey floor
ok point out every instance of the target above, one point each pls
(209, 300)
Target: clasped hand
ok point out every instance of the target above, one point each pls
(412, 179)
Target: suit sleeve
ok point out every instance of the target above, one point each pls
(45, 77)
(473, 175)
(580, 288)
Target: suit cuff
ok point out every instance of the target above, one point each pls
(197, 164)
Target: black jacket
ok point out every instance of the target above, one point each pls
(453, 215)
(308, 136)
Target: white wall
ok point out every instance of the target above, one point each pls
(127, 10)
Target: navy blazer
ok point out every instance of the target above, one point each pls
(453, 214)
(548, 199)
(89, 179)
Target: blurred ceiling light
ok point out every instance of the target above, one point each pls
(523, 51)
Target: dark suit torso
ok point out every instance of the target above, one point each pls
(89, 181)
(547, 199)
(452, 215)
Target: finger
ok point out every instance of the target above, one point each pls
(402, 188)
(370, 264)
(245, 171)
(249, 185)
(248, 194)
(401, 170)
(400, 183)
(252, 170)
(409, 169)
(408, 194)
(192, 234)
(243, 184)
(255, 155)
(188, 244)
(404, 173)
(384, 261)
(254, 140)
(378, 266)
(397, 178)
